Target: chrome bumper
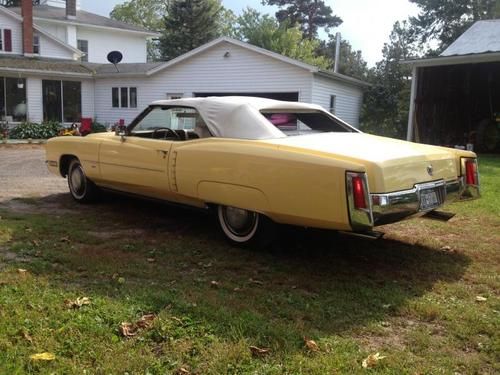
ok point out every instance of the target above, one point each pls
(391, 207)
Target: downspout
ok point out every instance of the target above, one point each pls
(413, 96)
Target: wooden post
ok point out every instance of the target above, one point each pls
(413, 96)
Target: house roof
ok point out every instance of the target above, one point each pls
(480, 43)
(123, 69)
(481, 37)
(21, 64)
(13, 14)
(151, 69)
(58, 15)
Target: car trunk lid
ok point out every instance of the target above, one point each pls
(392, 164)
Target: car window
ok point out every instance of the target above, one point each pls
(303, 122)
(179, 118)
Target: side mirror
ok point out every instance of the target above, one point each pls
(121, 130)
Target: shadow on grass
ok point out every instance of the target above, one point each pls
(309, 283)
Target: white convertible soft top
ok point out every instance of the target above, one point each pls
(239, 116)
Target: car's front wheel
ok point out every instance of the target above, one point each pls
(81, 188)
(243, 227)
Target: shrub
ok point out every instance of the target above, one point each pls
(97, 127)
(32, 130)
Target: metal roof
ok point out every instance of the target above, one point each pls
(50, 13)
(481, 37)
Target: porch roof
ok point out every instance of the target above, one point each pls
(22, 64)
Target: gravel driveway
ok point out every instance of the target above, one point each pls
(23, 173)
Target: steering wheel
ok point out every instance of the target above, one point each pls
(168, 131)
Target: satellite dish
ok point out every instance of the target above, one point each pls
(114, 57)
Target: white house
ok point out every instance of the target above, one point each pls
(54, 68)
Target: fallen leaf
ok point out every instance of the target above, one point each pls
(481, 299)
(22, 271)
(27, 337)
(372, 360)
(65, 239)
(311, 345)
(128, 329)
(182, 371)
(35, 243)
(257, 282)
(151, 260)
(146, 321)
(43, 356)
(259, 352)
(237, 289)
(131, 329)
(446, 248)
(77, 303)
(214, 284)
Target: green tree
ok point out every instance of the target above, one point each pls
(189, 24)
(265, 31)
(443, 21)
(385, 107)
(144, 13)
(310, 15)
(351, 61)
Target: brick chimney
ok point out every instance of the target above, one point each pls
(27, 13)
(71, 9)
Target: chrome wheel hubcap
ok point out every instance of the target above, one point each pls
(240, 222)
(77, 181)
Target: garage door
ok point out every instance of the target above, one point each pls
(287, 96)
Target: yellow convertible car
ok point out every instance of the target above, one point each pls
(258, 162)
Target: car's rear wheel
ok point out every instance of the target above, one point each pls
(244, 227)
(81, 188)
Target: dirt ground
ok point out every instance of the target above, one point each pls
(23, 173)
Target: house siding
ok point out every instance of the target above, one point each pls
(133, 48)
(34, 99)
(8, 22)
(243, 71)
(348, 98)
(52, 49)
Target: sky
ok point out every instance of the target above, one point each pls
(367, 23)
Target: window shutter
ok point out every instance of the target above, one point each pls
(7, 34)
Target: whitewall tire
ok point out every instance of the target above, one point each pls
(243, 227)
(81, 188)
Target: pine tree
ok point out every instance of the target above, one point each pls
(443, 21)
(189, 24)
(310, 15)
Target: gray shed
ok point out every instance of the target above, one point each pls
(455, 97)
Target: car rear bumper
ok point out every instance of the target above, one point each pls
(391, 207)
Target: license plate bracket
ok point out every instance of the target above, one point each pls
(429, 199)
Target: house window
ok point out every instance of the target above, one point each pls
(124, 97)
(36, 44)
(83, 45)
(133, 97)
(332, 104)
(62, 100)
(6, 40)
(13, 99)
(115, 97)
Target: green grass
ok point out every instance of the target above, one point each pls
(411, 296)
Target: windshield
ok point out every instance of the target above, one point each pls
(293, 123)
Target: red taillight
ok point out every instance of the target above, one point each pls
(471, 172)
(358, 191)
